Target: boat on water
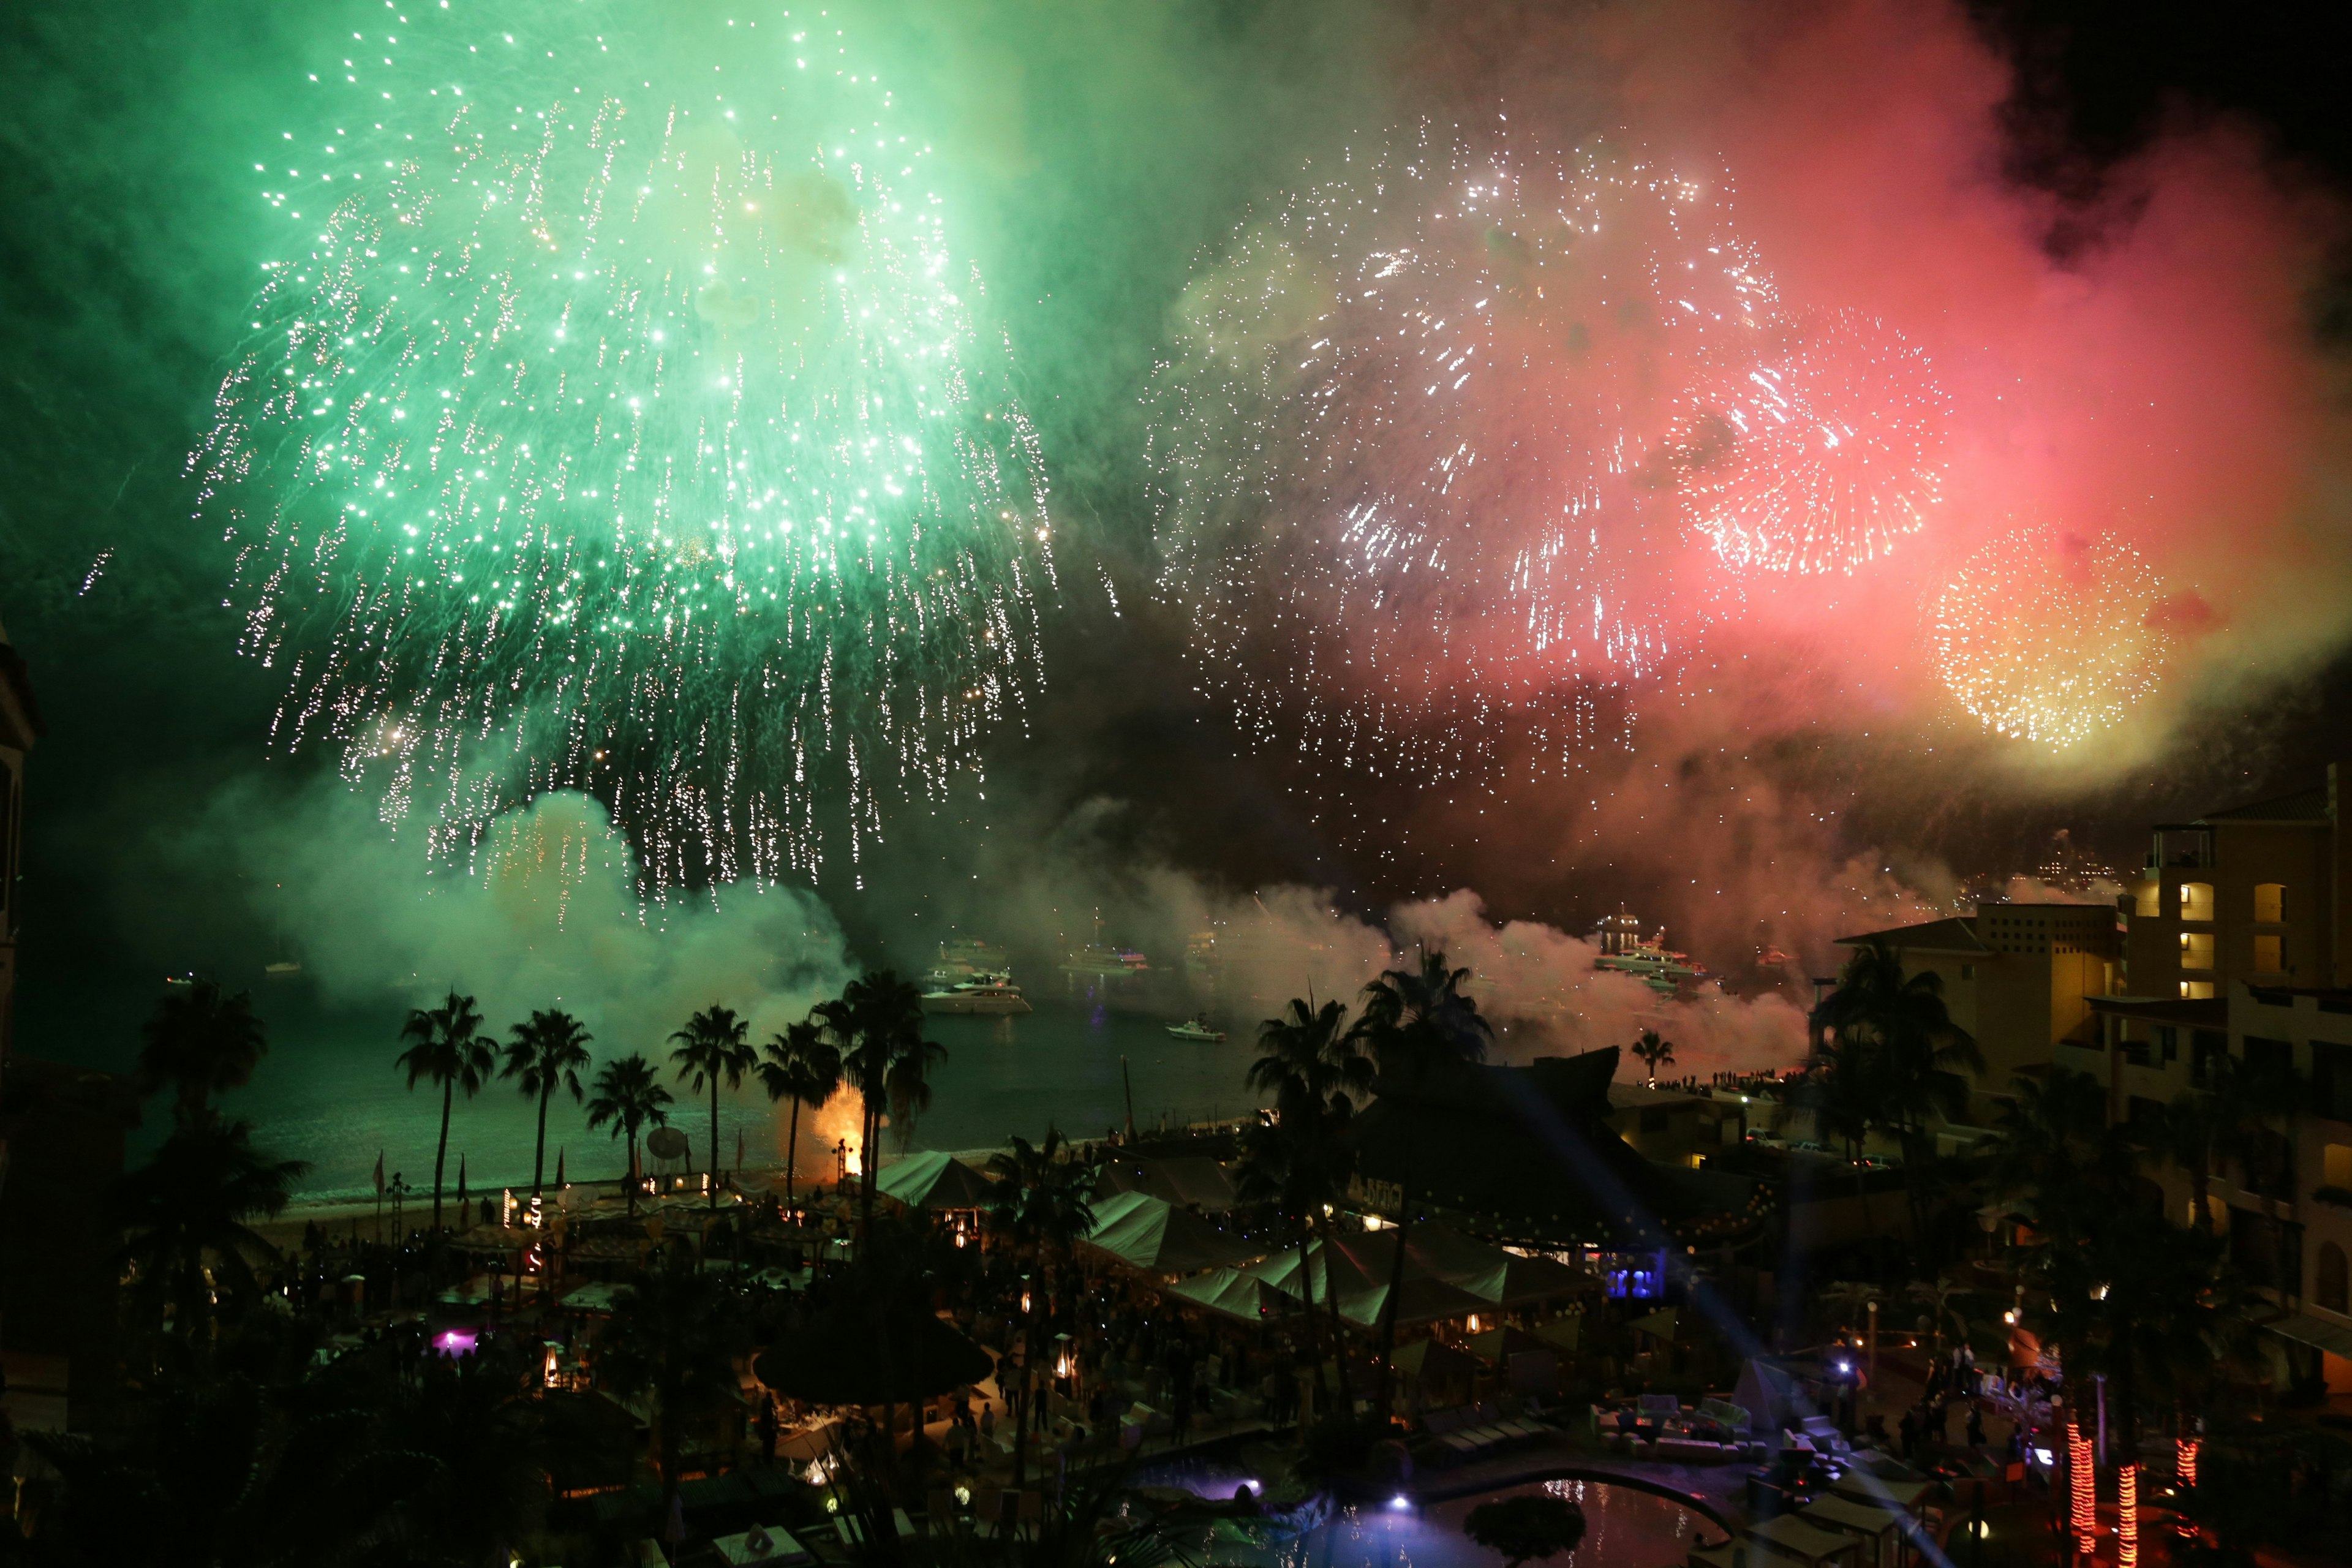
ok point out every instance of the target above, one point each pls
(1196, 1029)
(1648, 960)
(986, 995)
(967, 959)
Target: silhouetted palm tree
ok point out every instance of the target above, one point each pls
(185, 1216)
(199, 1041)
(451, 1050)
(628, 1095)
(803, 1068)
(876, 1023)
(1308, 1055)
(2055, 1161)
(2149, 1306)
(1043, 1203)
(712, 1046)
(1913, 1054)
(1653, 1053)
(1415, 1023)
(547, 1054)
(672, 1338)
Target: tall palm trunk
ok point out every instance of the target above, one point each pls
(441, 1155)
(791, 1150)
(539, 1153)
(714, 1141)
(1396, 1289)
(630, 1181)
(1307, 1287)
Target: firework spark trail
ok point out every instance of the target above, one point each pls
(1411, 441)
(2046, 637)
(1815, 451)
(618, 421)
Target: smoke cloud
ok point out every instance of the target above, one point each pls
(547, 915)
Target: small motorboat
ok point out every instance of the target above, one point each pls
(1196, 1029)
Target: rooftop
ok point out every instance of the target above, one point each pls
(2304, 805)
(1955, 934)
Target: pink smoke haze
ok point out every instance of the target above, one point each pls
(2159, 382)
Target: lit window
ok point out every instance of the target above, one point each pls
(2197, 950)
(2196, 991)
(2270, 902)
(2336, 1165)
(2267, 956)
(2196, 901)
(2148, 898)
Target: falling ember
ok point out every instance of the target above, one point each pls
(1412, 437)
(604, 431)
(2047, 637)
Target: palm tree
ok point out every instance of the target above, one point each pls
(547, 1054)
(200, 1041)
(183, 1216)
(1912, 1054)
(2149, 1306)
(1416, 1022)
(803, 1068)
(1308, 1055)
(876, 1023)
(712, 1046)
(1653, 1054)
(452, 1051)
(674, 1337)
(628, 1095)
(2056, 1161)
(1314, 1067)
(1043, 1203)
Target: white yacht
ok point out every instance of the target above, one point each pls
(1198, 1030)
(1623, 948)
(989, 995)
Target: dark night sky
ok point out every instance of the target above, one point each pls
(113, 306)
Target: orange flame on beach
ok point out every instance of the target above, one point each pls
(836, 1122)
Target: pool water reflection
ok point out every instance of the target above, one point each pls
(1623, 1528)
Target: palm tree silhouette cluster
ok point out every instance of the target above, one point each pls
(870, 1037)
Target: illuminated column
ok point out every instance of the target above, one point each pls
(2127, 1516)
(2082, 1488)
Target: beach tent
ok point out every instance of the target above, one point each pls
(1659, 1325)
(1359, 1268)
(1436, 1374)
(1230, 1293)
(932, 1181)
(1191, 1181)
(1492, 1275)
(1155, 1236)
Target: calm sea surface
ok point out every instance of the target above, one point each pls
(329, 1094)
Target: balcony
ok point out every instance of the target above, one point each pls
(2187, 846)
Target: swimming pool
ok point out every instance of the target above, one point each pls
(1624, 1528)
